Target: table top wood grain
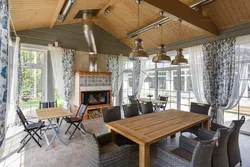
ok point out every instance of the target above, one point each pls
(154, 101)
(49, 113)
(150, 128)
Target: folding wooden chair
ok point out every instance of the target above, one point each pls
(76, 120)
(31, 129)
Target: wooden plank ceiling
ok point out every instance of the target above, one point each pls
(30, 14)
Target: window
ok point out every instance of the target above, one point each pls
(172, 81)
(33, 78)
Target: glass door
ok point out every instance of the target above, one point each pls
(31, 89)
(32, 80)
(167, 86)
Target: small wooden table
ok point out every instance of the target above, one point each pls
(150, 128)
(49, 114)
(154, 101)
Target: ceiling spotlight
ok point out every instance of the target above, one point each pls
(107, 10)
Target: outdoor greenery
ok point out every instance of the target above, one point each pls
(31, 80)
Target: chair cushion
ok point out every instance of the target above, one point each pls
(107, 148)
(183, 154)
(35, 125)
(72, 119)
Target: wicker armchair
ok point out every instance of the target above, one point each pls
(233, 148)
(101, 152)
(146, 108)
(197, 108)
(190, 153)
(220, 156)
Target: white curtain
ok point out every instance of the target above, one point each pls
(196, 70)
(121, 60)
(14, 65)
(57, 66)
(141, 78)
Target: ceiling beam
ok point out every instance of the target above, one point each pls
(177, 10)
(56, 13)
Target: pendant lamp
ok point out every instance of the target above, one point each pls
(138, 52)
(179, 58)
(161, 56)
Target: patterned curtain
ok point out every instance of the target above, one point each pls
(68, 60)
(4, 16)
(136, 77)
(219, 70)
(113, 66)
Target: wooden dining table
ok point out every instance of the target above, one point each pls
(50, 114)
(150, 128)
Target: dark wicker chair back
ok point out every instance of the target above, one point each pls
(233, 143)
(146, 108)
(92, 152)
(53, 104)
(202, 154)
(220, 156)
(131, 98)
(163, 98)
(43, 105)
(22, 117)
(81, 110)
(111, 114)
(199, 108)
(130, 110)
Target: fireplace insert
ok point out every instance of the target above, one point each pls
(96, 97)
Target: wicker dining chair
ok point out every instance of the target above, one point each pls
(197, 108)
(146, 108)
(111, 114)
(190, 153)
(233, 148)
(101, 152)
(131, 110)
(220, 155)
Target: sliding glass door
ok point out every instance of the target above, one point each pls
(32, 77)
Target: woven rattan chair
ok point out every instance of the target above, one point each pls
(220, 156)
(111, 114)
(101, 152)
(190, 153)
(130, 110)
(197, 108)
(233, 148)
(146, 108)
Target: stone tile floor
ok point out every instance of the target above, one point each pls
(71, 155)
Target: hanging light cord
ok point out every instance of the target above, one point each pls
(161, 34)
(138, 17)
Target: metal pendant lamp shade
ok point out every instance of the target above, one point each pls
(179, 58)
(161, 56)
(138, 52)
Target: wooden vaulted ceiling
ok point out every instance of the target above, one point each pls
(31, 14)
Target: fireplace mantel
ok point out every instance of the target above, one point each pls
(92, 82)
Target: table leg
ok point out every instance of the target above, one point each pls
(206, 124)
(144, 155)
(56, 134)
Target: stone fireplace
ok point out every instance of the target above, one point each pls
(94, 89)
